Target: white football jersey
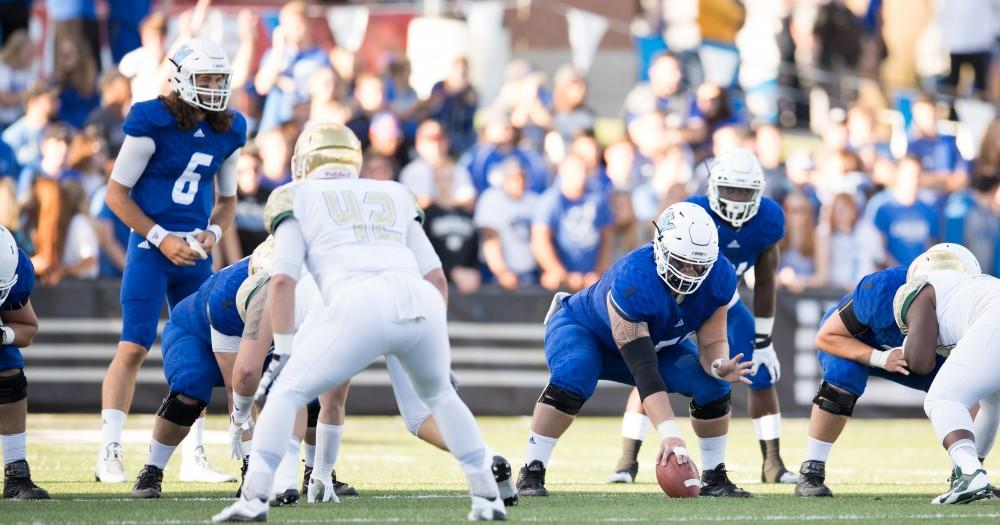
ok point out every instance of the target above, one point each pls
(961, 300)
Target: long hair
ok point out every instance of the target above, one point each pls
(188, 116)
(15, 43)
(47, 204)
(81, 76)
(807, 239)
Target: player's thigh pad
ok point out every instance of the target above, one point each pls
(411, 409)
(10, 358)
(574, 356)
(188, 364)
(844, 374)
(969, 374)
(741, 332)
(682, 372)
(144, 284)
(183, 281)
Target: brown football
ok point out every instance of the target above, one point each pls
(678, 481)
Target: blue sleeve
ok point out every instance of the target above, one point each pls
(633, 297)
(239, 131)
(774, 224)
(723, 282)
(145, 117)
(875, 293)
(21, 291)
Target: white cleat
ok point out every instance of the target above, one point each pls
(966, 488)
(110, 466)
(196, 468)
(321, 491)
(243, 510)
(487, 509)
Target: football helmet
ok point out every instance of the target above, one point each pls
(195, 58)
(735, 186)
(685, 246)
(944, 256)
(8, 263)
(330, 146)
(260, 259)
(903, 297)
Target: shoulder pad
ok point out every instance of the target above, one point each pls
(251, 285)
(279, 207)
(903, 299)
(240, 127)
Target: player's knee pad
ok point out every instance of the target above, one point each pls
(831, 400)
(561, 399)
(312, 414)
(713, 409)
(178, 412)
(13, 388)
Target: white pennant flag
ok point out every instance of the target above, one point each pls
(348, 25)
(586, 30)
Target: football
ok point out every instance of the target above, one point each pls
(678, 481)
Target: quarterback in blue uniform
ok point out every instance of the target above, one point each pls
(176, 149)
(858, 338)
(750, 227)
(633, 327)
(18, 325)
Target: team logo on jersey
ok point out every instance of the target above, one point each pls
(733, 244)
(199, 134)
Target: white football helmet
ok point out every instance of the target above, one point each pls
(260, 259)
(685, 246)
(735, 186)
(8, 263)
(944, 256)
(198, 57)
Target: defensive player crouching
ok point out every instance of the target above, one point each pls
(658, 294)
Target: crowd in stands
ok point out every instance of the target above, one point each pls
(518, 191)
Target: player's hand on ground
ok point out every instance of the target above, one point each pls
(734, 370)
(207, 240)
(675, 446)
(177, 251)
(895, 362)
(767, 358)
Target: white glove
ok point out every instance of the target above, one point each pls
(236, 431)
(768, 358)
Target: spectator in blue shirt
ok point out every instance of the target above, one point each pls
(945, 171)
(72, 19)
(24, 136)
(972, 217)
(500, 142)
(8, 162)
(665, 93)
(570, 232)
(124, 17)
(908, 225)
(76, 75)
(453, 102)
(53, 162)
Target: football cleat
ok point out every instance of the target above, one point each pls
(505, 480)
(966, 488)
(626, 475)
(531, 480)
(321, 491)
(288, 497)
(243, 475)
(341, 488)
(110, 466)
(148, 483)
(196, 468)
(487, 509)
(715, 483)
(306, 476)
(812, 476)
(285, 489)
(242, 511)
(773, 469)
(17, 482)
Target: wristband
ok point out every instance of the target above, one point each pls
(878, 358)
(714, 369)
(669, 429)
(283, 344)
(216, 230)
(8, 335)
(156, 234)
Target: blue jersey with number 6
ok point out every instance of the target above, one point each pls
(176, 190)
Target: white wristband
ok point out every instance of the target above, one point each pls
(763, 325)
(283, 343)
(714, 369)
(8, 335)
(216, 230)
(878, 358)
(156, 235)
(669, 429)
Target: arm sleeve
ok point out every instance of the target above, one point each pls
(417, 241)
(226, 178)
(132, 160)
(289, 249)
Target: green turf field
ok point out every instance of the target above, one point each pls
(882, 472)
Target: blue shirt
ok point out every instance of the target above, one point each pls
(873, 307)
(640, 295)
(21, 292)
(937, 153)
(75, 108)
(61, 10)
(909, 229)
(743, 245)
(214, 304)
(278, 104)
(8, 161)
(576, 226)
(177, 188)
(26, 142)
(484, 162)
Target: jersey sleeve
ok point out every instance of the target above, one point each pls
(722, 282)
(144, 118)
(239, 131)
(875, 292)
(279, 207)
(633, 296)
(21, 291)
(774, 221)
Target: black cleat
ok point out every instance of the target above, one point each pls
(531, 480)
(505, 480)
(305, 480)
(288, 497)
(147, 484)
(17, 482)
(715, 483)
(812, 474)
(342, 489)
(243, 475)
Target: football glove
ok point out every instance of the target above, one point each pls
(764, 355)
(236, 430)
(267, 380)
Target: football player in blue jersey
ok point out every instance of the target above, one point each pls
(633, 327)
(859, 338)
(162, 186)
(18, 326)
(750, 227)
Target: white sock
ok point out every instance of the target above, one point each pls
(248, 446)
(293, 447)
(159, 454)
(310, 452)
(242, 406)
(539, 448)
(635, 426)
(817, 450)
(963, 455)
(327, 447)
(13, 447)
(194, 439)
(112, 424)
(713, 451)
(768, 427)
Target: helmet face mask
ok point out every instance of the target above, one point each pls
(685, 247)
(201, 75)
(735, 186)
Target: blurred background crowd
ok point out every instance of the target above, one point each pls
(875, 122)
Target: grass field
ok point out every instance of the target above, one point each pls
(882, 472)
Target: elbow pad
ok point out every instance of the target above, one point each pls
(640, 357)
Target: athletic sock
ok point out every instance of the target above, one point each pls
(817, 450)
(159, 454)
(768, 427)
(963, 455)
(327, 448)
(195, 439)
(310, 452)
(635, 426)
(630, 454)
(13, 447)
(539, 448)
(112, 424)
(713, 451)
(242, 406)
